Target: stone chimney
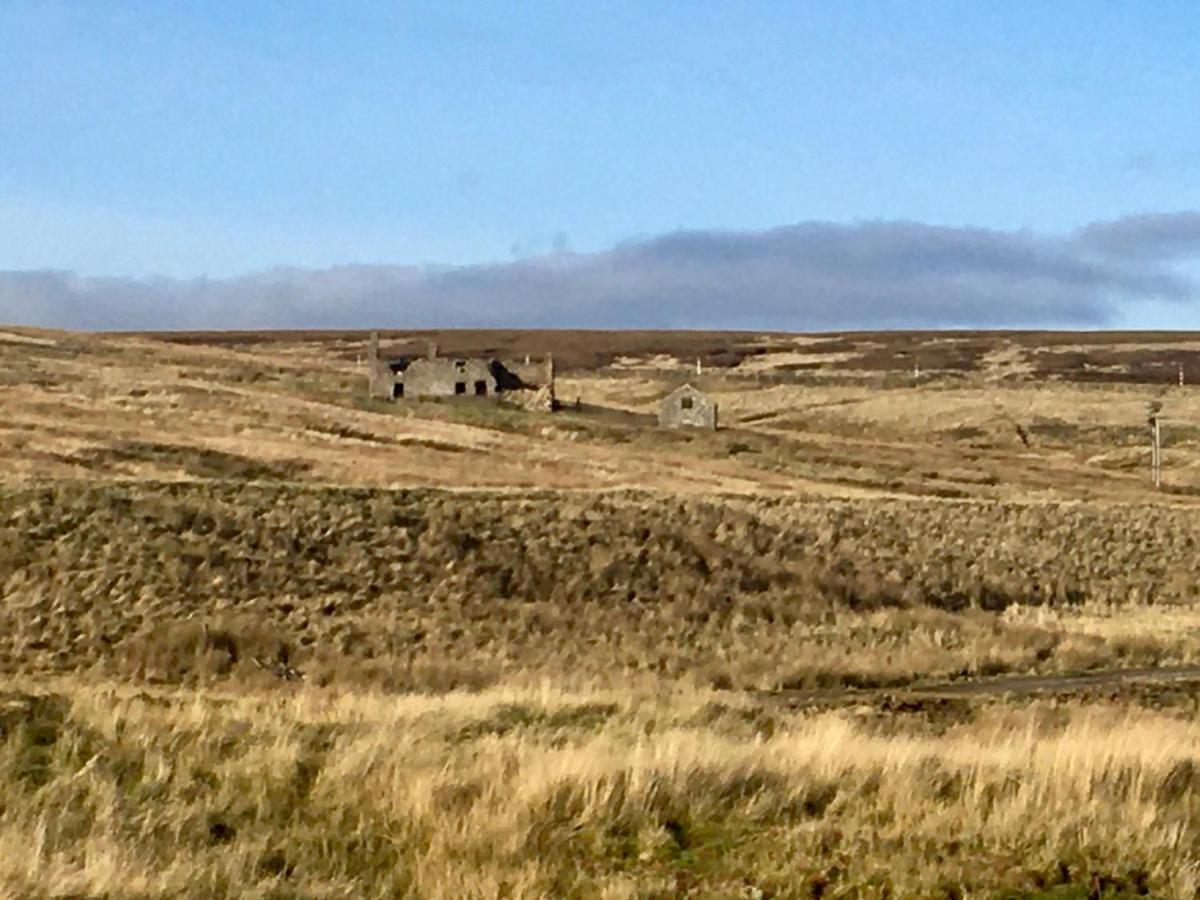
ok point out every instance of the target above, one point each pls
(432, 350)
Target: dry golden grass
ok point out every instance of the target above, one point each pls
(90, 406)
(87, 406)
(541, 793)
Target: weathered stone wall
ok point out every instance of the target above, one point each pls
(528, 383)
(535, 373)
(379, 379)
(447, 378)
(687, 408)
(533, 399)
(379, 373)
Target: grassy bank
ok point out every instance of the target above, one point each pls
(430, 590)
(427, 590)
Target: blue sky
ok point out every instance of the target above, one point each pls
(186, 139)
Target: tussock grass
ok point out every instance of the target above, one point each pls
(537, 793)
(432, 590)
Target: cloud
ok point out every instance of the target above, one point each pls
(1153, 236)
(809, 276)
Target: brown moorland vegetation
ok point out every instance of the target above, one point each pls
(262, 637)
(820, 415)
(428, 590)
(1110, 356)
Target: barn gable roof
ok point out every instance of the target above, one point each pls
(685, 390)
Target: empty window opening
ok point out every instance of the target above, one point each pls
(685, 403)
(398, 389)
(481, 389)
(460, 387)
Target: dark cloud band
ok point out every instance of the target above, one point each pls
(810, 276)
(1155, 236)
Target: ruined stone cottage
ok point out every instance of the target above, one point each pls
(687, 407)
(437, 376)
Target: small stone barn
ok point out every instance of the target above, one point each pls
(687, 407)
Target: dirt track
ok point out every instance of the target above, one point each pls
(1015, 685)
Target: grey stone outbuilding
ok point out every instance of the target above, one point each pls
(687, 407)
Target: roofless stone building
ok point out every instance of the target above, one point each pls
(409, 378)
